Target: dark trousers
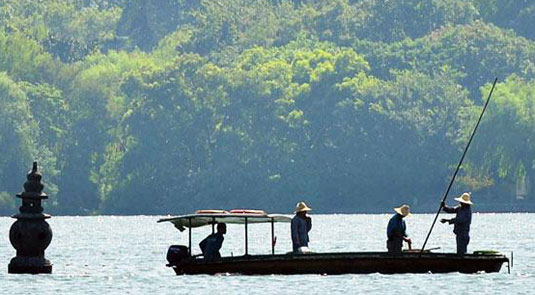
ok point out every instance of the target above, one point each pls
(462, 243)
(394, 245)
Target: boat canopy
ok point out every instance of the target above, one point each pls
(198, 220)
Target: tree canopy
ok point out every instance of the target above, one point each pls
(167, 106)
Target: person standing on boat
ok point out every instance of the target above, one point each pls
(461, 222)
(211, 244)
(397, 230)
(301, 225)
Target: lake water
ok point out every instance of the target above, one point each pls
(126, 255)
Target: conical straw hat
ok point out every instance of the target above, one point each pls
(404, 210)
(301, 206)
(464, 198)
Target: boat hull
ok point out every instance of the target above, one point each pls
(344, 263)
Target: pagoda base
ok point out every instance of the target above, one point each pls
(29, 265)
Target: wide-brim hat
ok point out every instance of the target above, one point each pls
(465, 199)
(404, 210)
(301, 206)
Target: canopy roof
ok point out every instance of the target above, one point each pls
(198, 220)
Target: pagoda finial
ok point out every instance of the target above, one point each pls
(33, 183)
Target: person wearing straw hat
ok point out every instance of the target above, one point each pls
(300, 226)
(461, 222)
(397, 230)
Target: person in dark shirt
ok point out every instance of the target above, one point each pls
(396, 230)
(461, 222)
(300, 226)
(211, 244)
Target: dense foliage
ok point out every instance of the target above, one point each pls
(166, 106)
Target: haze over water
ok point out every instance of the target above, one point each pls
(126, 255)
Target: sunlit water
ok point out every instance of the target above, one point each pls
(126, 255)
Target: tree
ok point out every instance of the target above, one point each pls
(501, 156)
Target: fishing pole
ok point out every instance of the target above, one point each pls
(458, 166)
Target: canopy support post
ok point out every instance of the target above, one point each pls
(189, 235)
(213, 225)
(272, 236)
(246, 242)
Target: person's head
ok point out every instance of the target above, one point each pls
(222, 228)
(464, 200)
(301, 208)
(403, 211)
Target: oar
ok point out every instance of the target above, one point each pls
(458, 166)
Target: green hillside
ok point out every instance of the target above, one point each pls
(167, 106)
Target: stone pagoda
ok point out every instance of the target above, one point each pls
(31, 234)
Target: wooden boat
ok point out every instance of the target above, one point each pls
(181, 260)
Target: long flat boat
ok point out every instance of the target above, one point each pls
(182, 262)
(343, 263)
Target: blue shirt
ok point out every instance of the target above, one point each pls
(396, 227)
(210, 246)
(300, 228)
(462, 220)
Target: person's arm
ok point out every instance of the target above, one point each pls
(449, 209)
(295, 234)
(309, 222)
(302, 232)
(462, 217)
(403, 229)
(219, 243)
(404, 235)
(409, 241)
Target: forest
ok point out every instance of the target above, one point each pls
(355, 106)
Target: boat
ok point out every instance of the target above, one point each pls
(183, 262)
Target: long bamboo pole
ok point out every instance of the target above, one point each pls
(458, 166)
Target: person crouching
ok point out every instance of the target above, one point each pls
(211, 244)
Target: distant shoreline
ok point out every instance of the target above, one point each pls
(316, 213)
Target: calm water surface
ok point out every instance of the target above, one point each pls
(126, 255)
